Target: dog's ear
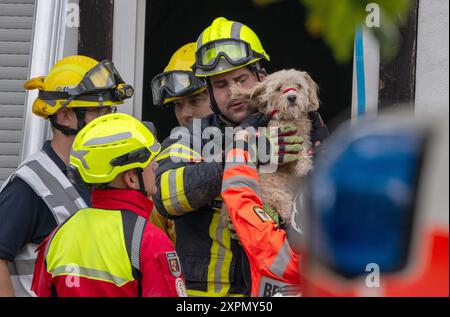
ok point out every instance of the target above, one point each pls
(312, 93)
(257, 95)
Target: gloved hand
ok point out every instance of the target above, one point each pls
(284, 144)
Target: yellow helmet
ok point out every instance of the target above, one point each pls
(226, 45)
(77, 81)
(109, 145)
(178, 80)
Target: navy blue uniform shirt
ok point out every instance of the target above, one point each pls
(24, 216)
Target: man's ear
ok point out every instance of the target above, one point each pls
(63, 117)
(130, 179)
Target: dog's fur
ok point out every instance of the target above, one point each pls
(278, 189)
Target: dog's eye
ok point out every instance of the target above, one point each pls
(278, 88)
(299, 86)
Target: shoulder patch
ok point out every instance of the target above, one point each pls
(174, 263)
(262, 214)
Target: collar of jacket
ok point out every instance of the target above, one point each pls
(122, 199)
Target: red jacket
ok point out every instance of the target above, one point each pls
(274, 265)
(159, 264)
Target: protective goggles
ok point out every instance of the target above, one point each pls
(101, 77)
(102, 80)
(236, 52)
(175, 84)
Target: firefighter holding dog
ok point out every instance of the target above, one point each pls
(214, 262)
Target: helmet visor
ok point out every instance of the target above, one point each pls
(102, 76)
(236, 52)
(174, 84)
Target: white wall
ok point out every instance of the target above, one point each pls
(432, 57)
(128, 49)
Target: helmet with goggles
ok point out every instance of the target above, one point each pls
(177, 80)
(226, 45)
(78, 82)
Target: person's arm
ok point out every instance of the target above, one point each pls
(6, 289)
(160, 265)
(185, 182)
(265, 243)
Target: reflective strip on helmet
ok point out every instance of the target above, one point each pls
(80, 155)
(282, 260)
(72, 270)
(236, 30)
(241, 182)
(200, 40)
(221, 256)
(109, 139)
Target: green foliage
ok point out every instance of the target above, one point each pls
(336, 20)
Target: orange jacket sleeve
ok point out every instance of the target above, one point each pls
(265, 243)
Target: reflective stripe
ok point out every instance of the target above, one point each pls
(155, 147)
(230, 165)
(80, 155)
(221, 256)
(179, 184)
(136, 242)
(88, 273)
(109, 139)
(61, 201)
(282, 259)
(200, 40)
(172, 192)
(236, 30)
(241, 182)
(49, 182)
(165, 193)
(22, 269)
(180, 151)
(195, 293)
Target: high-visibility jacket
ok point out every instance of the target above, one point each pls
(189, 188)
(273, 263)
(110, 250)
(50, 183)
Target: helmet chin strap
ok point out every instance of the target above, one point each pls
(81, 122)
(141, 181)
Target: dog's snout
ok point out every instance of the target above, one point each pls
(292, 98)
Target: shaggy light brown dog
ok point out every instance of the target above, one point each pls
(289, 95)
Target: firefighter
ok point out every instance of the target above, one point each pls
(38, 196)
(177, 87)
(214, 262)
(111, 249)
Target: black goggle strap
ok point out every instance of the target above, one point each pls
(98, 96)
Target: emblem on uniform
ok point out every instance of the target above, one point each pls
(180, 287)
(174, 263)
(262, 214)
